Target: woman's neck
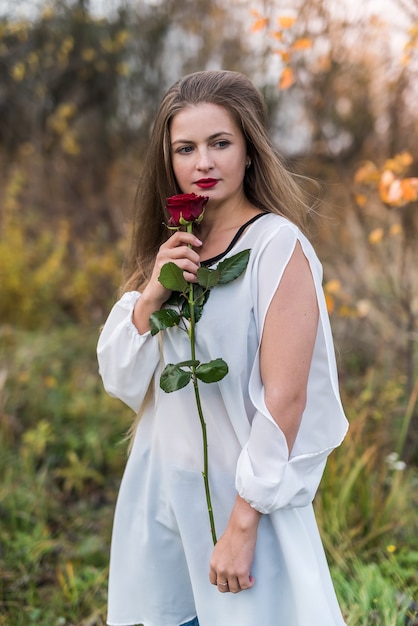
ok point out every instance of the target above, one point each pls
(219, 220)
(219, 227)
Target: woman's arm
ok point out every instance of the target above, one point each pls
(287, 345)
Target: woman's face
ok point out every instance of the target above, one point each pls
(208, 152)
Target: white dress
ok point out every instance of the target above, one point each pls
(161, 543)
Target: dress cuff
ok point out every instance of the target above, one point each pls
(267, 479)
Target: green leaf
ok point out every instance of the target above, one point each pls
(189, 363)
(212, 372)
(233, 266)
(201, 296)
(160, 320)
(176, 299)
(174, 378)
(171, 277)
(207, 278)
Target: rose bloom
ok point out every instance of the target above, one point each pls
(185, 208)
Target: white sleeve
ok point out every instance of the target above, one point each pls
(266, 476)
(127, 359)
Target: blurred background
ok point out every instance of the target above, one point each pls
(80, 82)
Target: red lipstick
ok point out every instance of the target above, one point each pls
(206, 183)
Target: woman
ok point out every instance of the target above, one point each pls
(271, 422)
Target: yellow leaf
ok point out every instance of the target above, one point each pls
(88, 54)
(122, 36)
(122, 69)
(413, 31)
(302, 44)
(66, 110)
(376, 236)
(333, 286)
(395, 230)
(18, 72)
(366, 174)
(361, 199)
(286, 21)
(287, 79)
(399, 163)
(346, 310)
(69, 144)
(47, 13)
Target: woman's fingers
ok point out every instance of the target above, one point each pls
(177, 250)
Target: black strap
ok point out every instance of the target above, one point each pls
(234, 240)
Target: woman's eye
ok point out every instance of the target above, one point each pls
(185, 150)
(223, 143)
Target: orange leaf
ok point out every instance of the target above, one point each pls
(302, 44)
(259, 24)
(330, 302)
(287, 79)
(376, 236)
(277, 34)
(409, 188)
(286, 21)
(399, 163)
(333, 286)
(366, 174)
(285, 55)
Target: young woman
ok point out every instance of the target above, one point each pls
(271, 422)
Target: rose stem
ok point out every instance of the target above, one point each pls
(205, 472)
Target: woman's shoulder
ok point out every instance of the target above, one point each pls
(275, 230)
(273, 225)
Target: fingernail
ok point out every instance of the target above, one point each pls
(198, 242)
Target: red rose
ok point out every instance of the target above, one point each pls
(185, 208)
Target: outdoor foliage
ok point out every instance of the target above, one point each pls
(78, 93)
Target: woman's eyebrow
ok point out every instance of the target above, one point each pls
(210, 138)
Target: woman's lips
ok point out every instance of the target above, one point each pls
(206, 183)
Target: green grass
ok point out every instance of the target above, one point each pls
(60, 466)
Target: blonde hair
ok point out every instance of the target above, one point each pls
(268, 185)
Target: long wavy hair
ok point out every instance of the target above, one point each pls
(268, 185)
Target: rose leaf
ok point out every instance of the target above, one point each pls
(171, 277)
(160, 320)
(207, 278)
(233, 266)
(213, 371)
(174, 378)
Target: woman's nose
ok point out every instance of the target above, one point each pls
(204, 162)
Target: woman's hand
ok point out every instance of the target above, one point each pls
(233, 555)
(175, 250)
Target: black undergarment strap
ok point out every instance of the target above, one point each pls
(234, 240)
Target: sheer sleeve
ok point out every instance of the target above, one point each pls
(127, 360)
(266, 476)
